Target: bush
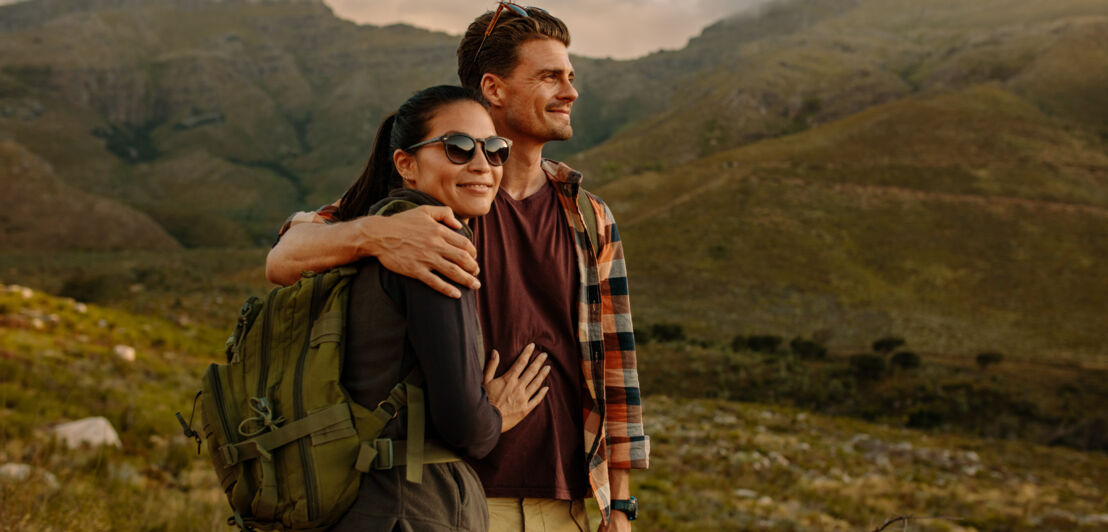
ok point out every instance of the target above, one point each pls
(738, 343)
(887, 345)
(906, 360)
(807, 349)
(667, 332)
(924, 418)
(989, 359)
(763, 343)
(641, 336)
(867, 366)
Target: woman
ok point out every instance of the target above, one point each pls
(439, 148)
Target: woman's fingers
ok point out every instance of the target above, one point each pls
(532, 380)
(534, 401)
(521, 362)
(491, 365)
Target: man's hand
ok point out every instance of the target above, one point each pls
(617, 522)
(414, 243)
(516, 393)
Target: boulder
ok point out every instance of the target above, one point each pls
(125, 352)
(94, 431)
(15, 472)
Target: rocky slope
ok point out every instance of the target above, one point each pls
(39, 211)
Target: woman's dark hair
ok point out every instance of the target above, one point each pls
(405, 127)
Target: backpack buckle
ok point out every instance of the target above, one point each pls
(384, 454)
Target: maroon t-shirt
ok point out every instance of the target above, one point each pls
(529, 284)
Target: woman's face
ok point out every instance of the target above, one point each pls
(467, 188)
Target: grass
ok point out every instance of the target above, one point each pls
(716, 464)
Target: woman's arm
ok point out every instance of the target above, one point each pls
(443, 335)
(413, 243)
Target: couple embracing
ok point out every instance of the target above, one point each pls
(492, 246)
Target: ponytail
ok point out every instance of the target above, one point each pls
(407, 126)
(377, 179)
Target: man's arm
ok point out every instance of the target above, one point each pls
(628, 445)
(414, 243)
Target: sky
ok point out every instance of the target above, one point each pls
(621, 29)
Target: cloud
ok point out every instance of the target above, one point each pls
(616, 28)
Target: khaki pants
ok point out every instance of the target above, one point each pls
(537, 515)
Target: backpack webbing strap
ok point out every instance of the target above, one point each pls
(589, 214)
(384, 453)
(264, 444)
(416, 427)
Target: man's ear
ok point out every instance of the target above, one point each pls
(405, 164)
(492, 87)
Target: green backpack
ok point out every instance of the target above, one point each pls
(287, 442)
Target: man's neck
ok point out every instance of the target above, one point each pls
(523, 175)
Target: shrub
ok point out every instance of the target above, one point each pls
(887, 345)
(667, 332)
(738, 343)
(924, 418)
(867, 366)
(807, 348)
(906, 360)
(763, 343)
(641, 336)
(989, 359)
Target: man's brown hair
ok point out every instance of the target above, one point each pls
(499, 54)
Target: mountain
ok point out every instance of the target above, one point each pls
(798, 64)
(217, 118)
(967, 221)
(853, 168)
(42, 212)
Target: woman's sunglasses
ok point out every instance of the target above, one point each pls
(460, 148)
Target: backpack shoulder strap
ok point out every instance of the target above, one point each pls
(589, 214)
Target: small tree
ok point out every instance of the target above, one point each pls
(867, 366)
(984, 360)
(807, 348)
(886, 345)
(906, 360)
(764, 343)
(667, 332)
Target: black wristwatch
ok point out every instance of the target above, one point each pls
(627, 506)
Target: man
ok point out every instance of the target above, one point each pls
(542, 283)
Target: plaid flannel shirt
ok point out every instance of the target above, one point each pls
(614, 436)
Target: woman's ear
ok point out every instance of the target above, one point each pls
(492, 87)
(406, 165)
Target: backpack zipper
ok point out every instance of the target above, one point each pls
(263, 369)
(221, 406)
(298, 406)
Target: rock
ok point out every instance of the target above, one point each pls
(746, 494)
(125, 352)
(94, 431)
(80, 308)
(14, 472)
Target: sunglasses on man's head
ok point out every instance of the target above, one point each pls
(460, 148)
(515, 8)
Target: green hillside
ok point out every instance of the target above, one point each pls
(961, 240)
(215, 118)
(800, 64)
(715, 465)
(42, 212)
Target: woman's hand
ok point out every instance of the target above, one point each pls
(517, 392)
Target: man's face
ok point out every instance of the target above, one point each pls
(539, 93)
